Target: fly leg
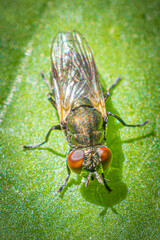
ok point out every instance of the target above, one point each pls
(50, 95)
(125, 124)
(56, 127)
(108, 90)
(105, 184)
(52, 100)
(46, 81)
(118, 118)
(66, 179)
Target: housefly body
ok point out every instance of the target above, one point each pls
(76, 93)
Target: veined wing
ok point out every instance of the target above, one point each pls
(74, 74)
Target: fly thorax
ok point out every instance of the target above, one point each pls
(85, 126)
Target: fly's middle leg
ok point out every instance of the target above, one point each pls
(107, 94)
(118, 118)
(125, 124)
(56, 127)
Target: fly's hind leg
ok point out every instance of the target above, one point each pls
(52, 100)
(107, 94)
(56, 127)
(46, 81)
(50, 95)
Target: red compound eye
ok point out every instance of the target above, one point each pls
(75, 160)
(105, 155)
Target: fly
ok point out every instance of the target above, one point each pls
(76, 93)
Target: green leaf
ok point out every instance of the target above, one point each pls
(124, 38)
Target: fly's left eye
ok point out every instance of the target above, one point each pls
(75, 160)
(105, 155)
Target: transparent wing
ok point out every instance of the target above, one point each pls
(74, 74)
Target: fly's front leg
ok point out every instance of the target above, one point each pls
(104, 126)
(125, 124)
(56, 127)
(105, 184)
(108, 90)
(66, 179)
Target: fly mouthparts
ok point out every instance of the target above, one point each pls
(99, 178)
(88, 179)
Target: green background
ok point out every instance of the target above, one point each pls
(123, 36)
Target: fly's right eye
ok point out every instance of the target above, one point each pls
(75, 160)
(105, 156)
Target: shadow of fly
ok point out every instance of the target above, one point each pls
(76, 93)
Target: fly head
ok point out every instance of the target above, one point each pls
(90, 162)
